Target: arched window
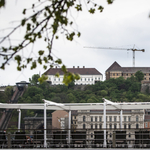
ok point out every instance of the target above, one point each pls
(115, 126)
(91, 126)
(137, 126)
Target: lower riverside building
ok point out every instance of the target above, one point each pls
(93, 120)
(115, 71)
(87, 75)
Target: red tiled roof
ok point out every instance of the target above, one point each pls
(81, 71)
(116, 67)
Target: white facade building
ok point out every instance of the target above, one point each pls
(87, 75)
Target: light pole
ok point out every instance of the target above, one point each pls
(19, 120)
(104, 113)
(46, 103)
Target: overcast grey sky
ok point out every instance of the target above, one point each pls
(123, 24)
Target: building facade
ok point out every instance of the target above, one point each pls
(115, 71)
(93, 120)
(87, 75)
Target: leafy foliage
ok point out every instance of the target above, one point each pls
(48, 20)
(139, 76)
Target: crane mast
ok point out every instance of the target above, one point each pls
(128, 49)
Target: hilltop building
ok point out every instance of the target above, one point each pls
(87, 75)
(115, 71)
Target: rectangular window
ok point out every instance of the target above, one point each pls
(115, 126)
(91, 119)
(110, 118)
(100, 119)
(95, 119)
(95, 126)
(106, 118)
(124, 126)
(129, 126)
(124, 118)
(84, 118)
(91, 126)
(137, 118)
(83, 126)
(129, 118)
(100, 126)
(146, 124)
(110, 126)
(115, 118)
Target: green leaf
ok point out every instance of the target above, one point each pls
(39, 60)
(28, 26)
(24, 11)
(57, 75)
(23, 22)
(2, 3)
(63, 68)
(18, 59)
(45, 67)
(78, 7)
(100, 8)
(19, 68)
(79, 34)
(59, 61)
(33, 65)
(41, 52)
(92, 11)
(42, 78)
(110, 1)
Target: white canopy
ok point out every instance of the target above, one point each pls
(77, 106)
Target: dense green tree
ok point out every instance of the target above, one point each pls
(103, 93)
(9, 92)
(34, 79)
(71, 98)
(139, 76)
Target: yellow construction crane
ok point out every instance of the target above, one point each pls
(128, 49)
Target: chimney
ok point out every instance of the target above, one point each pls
(78, 66)
(83, 66)
(73, 66)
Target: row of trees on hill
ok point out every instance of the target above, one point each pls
(116, 90)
